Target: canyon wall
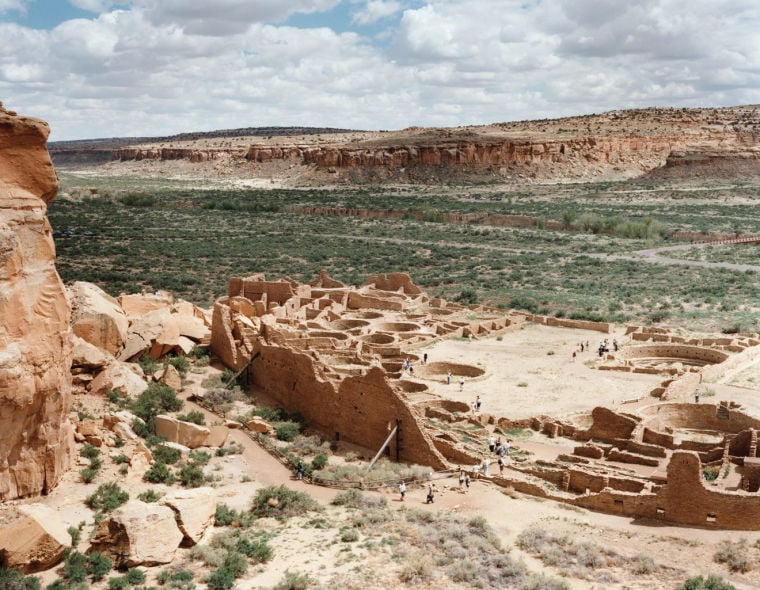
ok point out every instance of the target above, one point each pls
(36, 438)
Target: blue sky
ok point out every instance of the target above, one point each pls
(96, 68)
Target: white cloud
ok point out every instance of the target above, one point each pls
(96, 6)
(226, 17)
(375, 10)
(8, 5)
(162, 67)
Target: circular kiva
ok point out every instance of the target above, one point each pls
(411, 386)
(325, 334)
(348, 324)
(367, 315)
(682, 353)
(378, 338)
(398, 327)
(439, 370)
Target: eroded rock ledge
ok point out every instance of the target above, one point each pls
(36, 438)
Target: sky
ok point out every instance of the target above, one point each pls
(97, 68)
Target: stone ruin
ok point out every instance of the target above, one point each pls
(335, 354)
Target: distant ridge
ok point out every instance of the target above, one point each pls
(115, 142)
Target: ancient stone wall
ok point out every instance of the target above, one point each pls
(696, 416)
(673, 351)
(359, 409)
(36, 438)
(609, 425)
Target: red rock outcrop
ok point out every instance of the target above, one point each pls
(36, 438)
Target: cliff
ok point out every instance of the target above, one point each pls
(611, 146)
(36, 438)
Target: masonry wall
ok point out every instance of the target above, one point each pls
(357, 409)
(700, 415)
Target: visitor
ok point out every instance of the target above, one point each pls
(696, 396)
(461, 384)
(461, 478)
(501, 466)
(466, 482)
(402, 490)
(615, 344)
(430, 494)
(299, 471)
(486, 464)
(477, 403)
(448, 378)
(424, 359)
(491, 442)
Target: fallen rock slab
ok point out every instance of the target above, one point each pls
(124, 378)
(97, 317)
(35, 542)
(195, 510)
(138, 534)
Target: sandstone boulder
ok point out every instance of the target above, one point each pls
(138, 534)
(257, 424)
(88, 356)
(195, 510)
(36, 437)
(170, 376)
(124, 378)
(140, 304)
(184, 433)
(97, 317)
(34, 542)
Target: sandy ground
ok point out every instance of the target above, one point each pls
(531, 371)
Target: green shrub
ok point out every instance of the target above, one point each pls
(735, 555)
(711, 583)
(166, 454)
(89, 451)
(135, 576)
(157, 399)
(256, 550)
(319, 462)
(200, 458)
(159, 473)
(74, 568)
(137, 200)
(180, 363)
(11, 579)
(295, 581)
(76, 535)
(149, 496)
(118, 583)
(148, 364)
(220, 579)
(710, 473)
(191, 475)
(98, 565)
(120, 459)
(194, 417)
(281, 502)
(107, 497)
(88, 474)
(349, 535)
(226, 516)
(287, 431)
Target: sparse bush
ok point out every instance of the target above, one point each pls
(281, 502)
(159, 473)
(180, 363)
(155, 400)
(287, 431)
(191, 475)
(107, 497)
(194, 417)
(710, 473)
(98, 565)
(416, 567)
(711, 583)
(295, 581)
(319, 462)
(166, 454)
(735, 555)
(89, 451)
(255, 549)
(12, 579)
(349, 535)
(149, 496)
(642, 565)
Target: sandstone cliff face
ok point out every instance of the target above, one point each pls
(611, 146)
(36, 438)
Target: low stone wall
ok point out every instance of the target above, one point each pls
(695, 416)
(604, 327)
(683, 352)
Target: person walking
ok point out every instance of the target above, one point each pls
(402, 490)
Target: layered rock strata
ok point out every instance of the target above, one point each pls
(36, 438)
